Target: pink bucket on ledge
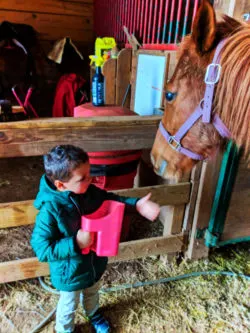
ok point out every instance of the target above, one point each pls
(106, 222)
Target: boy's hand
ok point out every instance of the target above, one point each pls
(84, 239)
(148, 208)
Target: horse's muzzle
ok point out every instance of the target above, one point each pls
(159, 170)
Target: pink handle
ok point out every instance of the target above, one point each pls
(106, 222)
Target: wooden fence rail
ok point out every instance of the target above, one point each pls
(14, 214)
(36, 137)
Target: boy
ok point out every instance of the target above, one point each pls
(65, 194)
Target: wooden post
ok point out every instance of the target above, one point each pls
(233, 8)
(109, 72)
(208, 182)
(124, 63)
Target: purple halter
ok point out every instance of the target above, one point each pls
(204, 110)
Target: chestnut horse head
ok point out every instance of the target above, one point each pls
(173, 154)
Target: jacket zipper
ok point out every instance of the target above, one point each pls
(91, 253)
(92, 264)
(76, 205)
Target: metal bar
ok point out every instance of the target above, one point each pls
(150, 20)
(145, 22)
(154, 24)
(141, 19)
(134, 16)
(120, 19)
(123, 13)
(159, 22)
(105, 14)
(184, 30)
(129, 16)
(165, 22)
(126, 18)
(195, 9)
(138, 18)
(178, 21)
(124, 7)
(171, 22)
(116, 20)
(168, 47)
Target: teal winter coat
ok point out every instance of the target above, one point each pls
(54, 235)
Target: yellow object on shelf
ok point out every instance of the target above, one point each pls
(103, 48)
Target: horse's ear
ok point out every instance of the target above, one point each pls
(204, 27)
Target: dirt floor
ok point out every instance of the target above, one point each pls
(201, 305)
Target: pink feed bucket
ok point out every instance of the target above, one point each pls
(106, 222)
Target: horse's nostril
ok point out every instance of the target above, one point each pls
(162, 167)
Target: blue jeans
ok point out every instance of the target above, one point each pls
(68, 303)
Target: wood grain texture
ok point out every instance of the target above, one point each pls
(237, 222)
(53, 27)
(207, 187)
(170, 64)
(234, 8)
(80, 8)
(20, 213)
(123, 75)
(30, 268)
(36, 137)
(109, 72)
(190, 207)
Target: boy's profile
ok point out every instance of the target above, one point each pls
(65, 194)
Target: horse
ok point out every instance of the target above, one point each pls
(189, 133)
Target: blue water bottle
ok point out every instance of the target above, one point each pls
(98, 86)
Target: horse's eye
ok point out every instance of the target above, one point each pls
(170, 96)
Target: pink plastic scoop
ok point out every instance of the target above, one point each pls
(106, 222)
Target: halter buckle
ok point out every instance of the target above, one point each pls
(174, 144)
(212, 70)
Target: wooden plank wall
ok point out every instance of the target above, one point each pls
(52, 19)
(234, 8)
(237, 222)
(126, 133)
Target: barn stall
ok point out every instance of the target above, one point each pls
(190, 204)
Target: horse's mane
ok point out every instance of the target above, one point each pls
(232, 100)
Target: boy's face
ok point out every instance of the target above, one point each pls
(79, 181)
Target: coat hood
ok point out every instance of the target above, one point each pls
(49, 193)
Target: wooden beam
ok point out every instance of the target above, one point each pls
(83, 8)
(190, 207)
(20, 213)
(16, 214)
(53, 27)
(206, 191)
(36, 137)
(147, 247)
(31, 268)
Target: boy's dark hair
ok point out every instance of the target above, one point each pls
(62, 160)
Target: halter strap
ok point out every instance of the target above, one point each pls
(204, 110)
(211, 78)
(177, 146)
